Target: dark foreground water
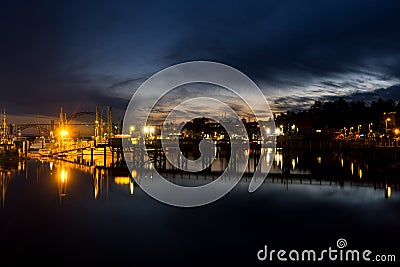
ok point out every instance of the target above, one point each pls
(60, 213)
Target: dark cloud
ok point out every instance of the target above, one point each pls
(135, 82)
(297, 40)
(296, 103)
(392, 92)
(82, 54)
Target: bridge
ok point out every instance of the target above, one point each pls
(43, 128)
(57, 139)
(48, 130)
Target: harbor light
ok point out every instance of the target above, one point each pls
(64, 133)
(63, 176)
(387, 120)
(148, 129)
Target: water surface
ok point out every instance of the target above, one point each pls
(63, 213)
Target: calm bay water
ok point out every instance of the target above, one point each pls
(63, 213)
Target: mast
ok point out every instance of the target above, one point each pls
(96, 128)
(4, 127)
(110, 129)
(61, 118)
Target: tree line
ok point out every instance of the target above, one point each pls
(340, 113)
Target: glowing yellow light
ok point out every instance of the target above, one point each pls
(389, 190)
(352, 168)
(64, 176)
(341, 161)
(146, 129)
(132, 188)
(396, 131)
(360, 173)
(132, 128)
(319, 160)
(134, 173)
(64, 133)
(120, 180)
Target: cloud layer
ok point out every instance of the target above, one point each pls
(82, 54)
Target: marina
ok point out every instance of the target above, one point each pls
(199, 133)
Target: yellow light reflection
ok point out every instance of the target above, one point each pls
(62, 181)
(268, 157)
(96, 189)
(64, 176)
(122, 180)
(132, 188)
(389, 190)
(352, 168)
(293, 163)
(360, 173)
(342, 162)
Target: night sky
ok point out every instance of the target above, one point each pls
(79, 54)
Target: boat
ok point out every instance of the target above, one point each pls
(8, 149)
(45, 152)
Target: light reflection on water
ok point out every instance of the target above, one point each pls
(286, 169)
(57, 206)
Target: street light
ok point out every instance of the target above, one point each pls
(388, 119)
(149, 130)
(64, 133)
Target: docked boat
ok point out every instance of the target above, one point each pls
(8, 149)
(8, 152)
